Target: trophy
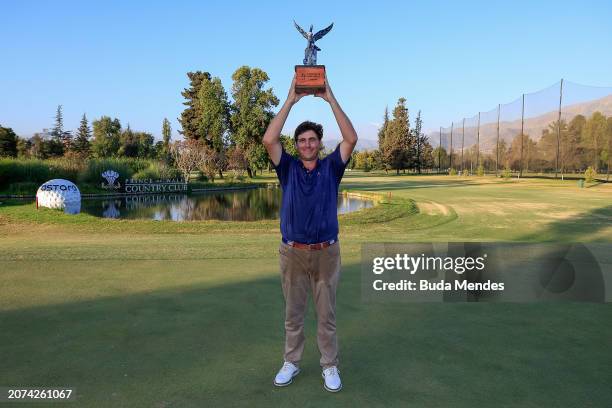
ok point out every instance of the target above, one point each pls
(310, 77)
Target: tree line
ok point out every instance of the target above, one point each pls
(569, 147)
(400, 147)
(583, 142)
(218, 133)
(108, 139)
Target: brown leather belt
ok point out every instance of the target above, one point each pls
(311, 247)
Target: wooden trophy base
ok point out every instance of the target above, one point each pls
(310, 79)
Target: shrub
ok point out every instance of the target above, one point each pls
(234, 177)
(22, 188)
(157, 170)
(201, 177)
(66, 167)
(95, 167)
(507, 173)
(452, 172)
(76, 169)
(589, 175)
(35, 171)
(148, 173)
(480, 171)
(465, 173)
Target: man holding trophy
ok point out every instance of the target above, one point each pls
(310, 251)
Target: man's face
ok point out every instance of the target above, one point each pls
(308, 145)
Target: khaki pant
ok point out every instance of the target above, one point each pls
(319, 271)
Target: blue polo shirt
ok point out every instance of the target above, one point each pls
(309, 208)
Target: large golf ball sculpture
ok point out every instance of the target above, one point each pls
(60, 194)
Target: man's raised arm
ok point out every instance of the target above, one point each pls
(271, 139)
(349, 136)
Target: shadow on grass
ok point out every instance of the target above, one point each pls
(221, 346)
(596, 183)
(410, 184)
(579, 228)
(13, 202)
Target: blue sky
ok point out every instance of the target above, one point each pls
(448, 59)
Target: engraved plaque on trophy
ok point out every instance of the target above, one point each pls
(310, 77)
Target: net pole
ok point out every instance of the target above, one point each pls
(462, 139)
(418, 163)
(522, 131)
(451, 146)
(497, 143)
(478, 143)
(559, 128)
(440, 153)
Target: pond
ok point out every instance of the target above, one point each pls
(236, 205)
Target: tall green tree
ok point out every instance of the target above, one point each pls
(190, 117)
(573, 149)
(166, 132)
(513, 155)
(61, 140)
(164, 149)
(213, 108)
(377, 160)
(440, 158)
(500, 153)
(146, 144)
(24, 147)
(40, 146)
(128, 143)
(594, 138)
(82, 143)
(106, 133)
(250, 114)
(530, 154)
(364, 160)
(383, 128)
(427, 154)
(397, 147)
(381, 139)
(136, 144)
(213, 120)
(418, 140)
(552, 144)
(8, 142)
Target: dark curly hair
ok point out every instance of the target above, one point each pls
(306, 126)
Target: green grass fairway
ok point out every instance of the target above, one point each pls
(163, 314)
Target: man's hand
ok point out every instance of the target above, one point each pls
(293, 96)
(328, 95)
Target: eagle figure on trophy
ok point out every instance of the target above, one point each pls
(310, 54)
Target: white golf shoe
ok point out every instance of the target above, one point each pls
(285, 374)
(331, 377)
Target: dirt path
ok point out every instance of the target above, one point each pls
(432, 208)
